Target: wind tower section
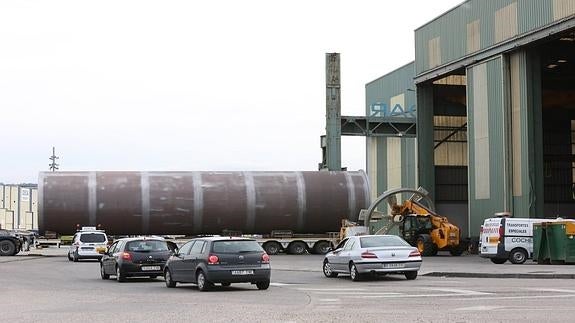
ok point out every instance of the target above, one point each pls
(333, 113)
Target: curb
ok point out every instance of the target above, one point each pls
(488, 275)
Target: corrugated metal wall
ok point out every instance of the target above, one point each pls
(18, 207)
(488, 189)
(487, 22)
(391, 161)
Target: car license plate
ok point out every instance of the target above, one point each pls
(242, 272)
(150, 268)
(393, 265)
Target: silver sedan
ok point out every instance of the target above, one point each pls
(372, 254)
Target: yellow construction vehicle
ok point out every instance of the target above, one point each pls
(418, 223)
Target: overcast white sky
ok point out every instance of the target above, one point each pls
(189, 85)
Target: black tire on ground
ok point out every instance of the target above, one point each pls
(70, 257)
(321, 247)
(263, 285)
(7, 248)
(202, 281)
(410, 275)
(498, 261)
(518, 256)
(327, 270)
(459, 249)
(168, 278)
(226, 284)
(272, 247)
(426, 246)
(103, 273)
(353, 273)
(119, 276)
(297, 248)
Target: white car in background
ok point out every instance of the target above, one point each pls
(372, 254)
(87, 244)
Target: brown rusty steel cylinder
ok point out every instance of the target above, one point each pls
(191, 203)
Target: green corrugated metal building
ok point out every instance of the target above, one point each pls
(494, 85)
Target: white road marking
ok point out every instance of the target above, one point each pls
(332, 289)
(329, 299)
(280, 284)
(409, 295)
(515, 297)
(357, 293)
(479, 308)
(459, 291)
(551, 290)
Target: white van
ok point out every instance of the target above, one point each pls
(501, 239)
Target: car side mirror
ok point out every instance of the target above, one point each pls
(330, 249)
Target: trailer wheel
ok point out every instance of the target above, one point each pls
(321, 247)
(297, 248)
(7, 248)
(272, 247)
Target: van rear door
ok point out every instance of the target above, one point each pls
(490, 237)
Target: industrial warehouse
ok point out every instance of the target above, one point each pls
(493, 86)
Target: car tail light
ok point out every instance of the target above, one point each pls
(368, 254)
(415, 253)
(127, 256)
(213, 260)
(501, 233)
(481, 229)
(265, 258)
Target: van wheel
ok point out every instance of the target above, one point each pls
(498, 261)
(518, 256)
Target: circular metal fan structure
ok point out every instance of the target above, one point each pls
(390, 208)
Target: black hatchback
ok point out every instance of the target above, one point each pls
(210, 260)
(136, 257)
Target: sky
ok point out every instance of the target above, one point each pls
(189, 85)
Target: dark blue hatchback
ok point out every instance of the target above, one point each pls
(210, 260)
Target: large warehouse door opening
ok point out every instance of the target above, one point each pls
(558, 119)
(450, 148)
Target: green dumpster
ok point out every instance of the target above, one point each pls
(554, 242)
(540, 244)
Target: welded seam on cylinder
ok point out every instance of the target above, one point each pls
(198, 201)
(251, 201)
(351, 206)
(92, 198)
(366, 188)
(41, 202)
(301, 202)
(145, 186)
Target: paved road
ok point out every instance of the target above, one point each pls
(53, 289)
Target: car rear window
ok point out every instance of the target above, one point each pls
(236, 246)
(93, 237)
(146, 245)
(382, 241)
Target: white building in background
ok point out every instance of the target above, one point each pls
(18, 207)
